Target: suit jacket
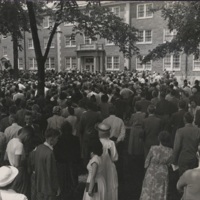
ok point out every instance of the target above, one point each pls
(152, 126)
(176, 122)
(186, 145)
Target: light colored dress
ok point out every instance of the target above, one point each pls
(155, 184)
(11, 195)
(110, 172)
(99, 179)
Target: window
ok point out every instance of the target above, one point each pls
(144, 11)
(112, 63)
(168, 36)
(32, 64)
(70, 63)
(20, 63)
(144, 36)
(116, 11)
(47, 22)
(196, 64)
(30, 43)
(146, 66)
(108, 42)
(70, 41)
(172, 62)
(5, 50)
(50, 63)
(46, 39)
(88, 40)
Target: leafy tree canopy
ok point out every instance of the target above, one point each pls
(184, 17)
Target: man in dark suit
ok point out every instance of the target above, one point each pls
(144, 102)
(176, 121)
(186, 145)
(152, 126)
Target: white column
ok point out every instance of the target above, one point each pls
(128, 21)
(59, 48)
(79, 64)
(101, 64)
(95, 63)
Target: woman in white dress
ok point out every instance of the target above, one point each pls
(95, 186)
(109, 156)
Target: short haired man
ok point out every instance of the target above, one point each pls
(44, 166)
(186, 145)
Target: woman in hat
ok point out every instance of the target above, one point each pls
(109, 156)
(7, 177)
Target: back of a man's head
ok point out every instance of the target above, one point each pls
(188, 118)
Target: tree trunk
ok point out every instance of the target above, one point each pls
(37, 47)
(15, 55)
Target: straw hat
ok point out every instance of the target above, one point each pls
(7, 175)
(102, 127)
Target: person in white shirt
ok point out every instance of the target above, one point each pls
(117, 134)
(7, 176)
(12, 131)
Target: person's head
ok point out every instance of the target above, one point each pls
(35, 108)
(151, 109)
(57, 110)
(193, 103)
(12, 119)
(7, 176)
(71, 110)
(162, 95)
(173, 92)
(25, 133)
(23, 104)
(164, 138)
(112, 110)
(154, 93)
(104, 98)
(103, 130)
(28, 118)
(188, 118)
(51, 136)
(66, 128)
(182, 104)
(95, 147)
(138, 106)
(12, 110)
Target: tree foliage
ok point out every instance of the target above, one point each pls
(95, 20)
(184, 17)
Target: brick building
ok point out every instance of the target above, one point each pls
(82, 53)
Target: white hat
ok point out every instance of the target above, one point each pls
(7, 175)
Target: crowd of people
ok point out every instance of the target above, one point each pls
(80, 125)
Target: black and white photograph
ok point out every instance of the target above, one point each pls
(99, 100)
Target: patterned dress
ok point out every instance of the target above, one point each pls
(155, 184)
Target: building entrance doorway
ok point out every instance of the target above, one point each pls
(89, 64)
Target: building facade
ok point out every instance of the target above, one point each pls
(81, 53)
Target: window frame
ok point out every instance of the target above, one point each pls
(90, 40)
(3, 50)
(144, 37)
(70, 62)
(113, 8)
(112, 63)
(50, 63)
(32, 45)
(20, 68)
(172, 63)
(52, 43)
(143, 66)
(70, 41)
(145, 11)
(193, 68)
(172, 33)
(49, 22)
(34, 63)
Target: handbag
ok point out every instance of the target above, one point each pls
(94, 190)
